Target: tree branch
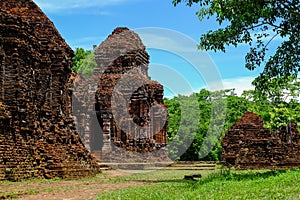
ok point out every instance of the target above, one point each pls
(253, 27)
(271, 40)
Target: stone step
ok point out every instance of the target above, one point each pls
(161, 165)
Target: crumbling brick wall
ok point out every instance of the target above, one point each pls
(128, 104)
(37, 136)
(248, 145)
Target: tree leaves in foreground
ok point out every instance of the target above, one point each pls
(256, 23)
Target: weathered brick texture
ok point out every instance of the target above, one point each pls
(128, 104)
(248, 145)
(37, 136)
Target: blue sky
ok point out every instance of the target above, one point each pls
(83, 23)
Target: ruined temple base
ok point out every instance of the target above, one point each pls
(119, 158)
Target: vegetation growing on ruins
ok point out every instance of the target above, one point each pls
(255, 23)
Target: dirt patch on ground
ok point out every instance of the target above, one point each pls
(76, 191)
(114, 173)
(64, 190)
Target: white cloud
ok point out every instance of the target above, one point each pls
(85, 42)
(185, 47)
(102, 13)
(164, 40)
(240, 84)
(67, 5)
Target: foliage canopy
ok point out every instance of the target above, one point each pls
(84, 62)
(256, 23)
(274, 110)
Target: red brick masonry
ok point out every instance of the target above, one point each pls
(128, 105)
(248, 145)
(37, 131)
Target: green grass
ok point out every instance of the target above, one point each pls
(170, 185)
(157, 176)
(284, 184)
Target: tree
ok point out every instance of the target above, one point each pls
(277, 105)
(256, 23)
(84, 62)
(79, 56)
(88, 65)
(279, 90)
(183, 135)
(182, 126)
(196, 132)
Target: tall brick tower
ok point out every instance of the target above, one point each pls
(128, 104)
(37, 132)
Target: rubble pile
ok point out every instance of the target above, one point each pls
(248, 145)
(37, 131)
(128, 104)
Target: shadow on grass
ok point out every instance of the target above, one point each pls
(165, 181)
(242, 176)
(228, 175)
(222, 176)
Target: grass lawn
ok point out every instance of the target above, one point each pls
(284, 184)
(162, 184)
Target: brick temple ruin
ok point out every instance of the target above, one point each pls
(119, 107)
(37, 131)
(248, 145)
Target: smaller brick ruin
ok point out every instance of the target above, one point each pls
(248, 145)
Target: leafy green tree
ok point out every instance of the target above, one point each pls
(174, 113)
(236, 107)
(209, 120)
(278, 105)
(278, 90)
(256, 23)
(84, 62)
(182, 125)
(88, 65)
(79, 56)
(211, 115)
